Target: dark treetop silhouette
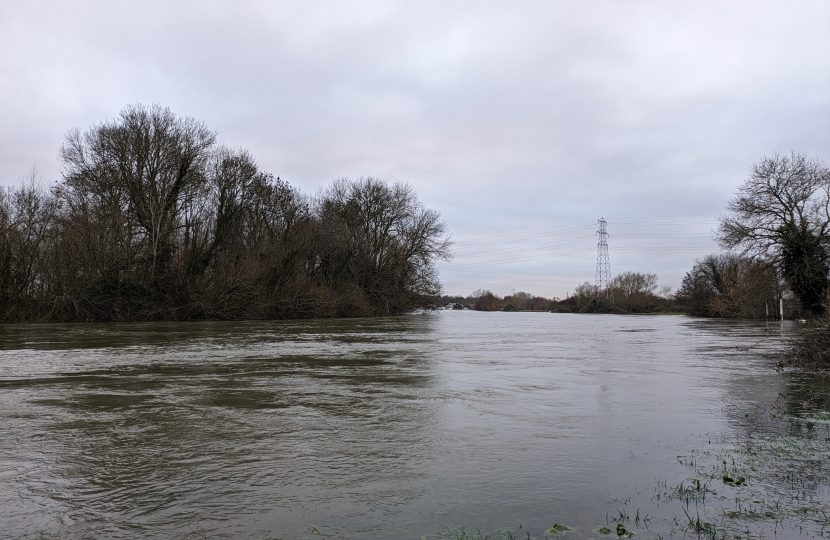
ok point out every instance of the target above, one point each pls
(155, 220)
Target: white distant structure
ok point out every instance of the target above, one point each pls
(603, 277)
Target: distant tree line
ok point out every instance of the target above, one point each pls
(719, 285)
(629, 292)
(153, 219)
(485, 300)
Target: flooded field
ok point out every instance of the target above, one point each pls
(448, 425)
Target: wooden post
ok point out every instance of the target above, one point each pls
(781, 308)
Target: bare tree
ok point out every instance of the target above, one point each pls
(27, 220)
(782, 214)
(637, 292)
(729, 285)
(484, 300)
(388, 242)
(148, 159)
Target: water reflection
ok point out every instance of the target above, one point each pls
(382, 428)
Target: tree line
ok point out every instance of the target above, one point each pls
(485, 300)
(629, 292)
(154, 219)
(777, 233)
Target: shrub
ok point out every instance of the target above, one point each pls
(810, 348)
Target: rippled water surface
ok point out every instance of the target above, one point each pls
(374, 428)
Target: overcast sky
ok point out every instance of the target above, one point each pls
(521, 122)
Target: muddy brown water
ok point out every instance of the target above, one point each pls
(402, 427)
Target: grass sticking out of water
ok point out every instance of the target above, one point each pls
(558, 528)
(760, 486)
(460, 533)
(755, 484)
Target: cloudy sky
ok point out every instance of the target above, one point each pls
(521, 122)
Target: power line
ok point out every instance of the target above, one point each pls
(558, 243)
(523, 259)
(675, 216)
(664, 235)
(647, 223)
(533, 233)
(570, 252)
(522, 246)
(527, 248)
(657, 248)
(521, 236)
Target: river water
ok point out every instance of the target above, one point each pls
(435, 426)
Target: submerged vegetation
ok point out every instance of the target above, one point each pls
(153, 219)
(810, 348)
(763, 483)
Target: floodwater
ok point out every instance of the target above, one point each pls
(436, 426)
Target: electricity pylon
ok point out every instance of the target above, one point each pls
(603, 279)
